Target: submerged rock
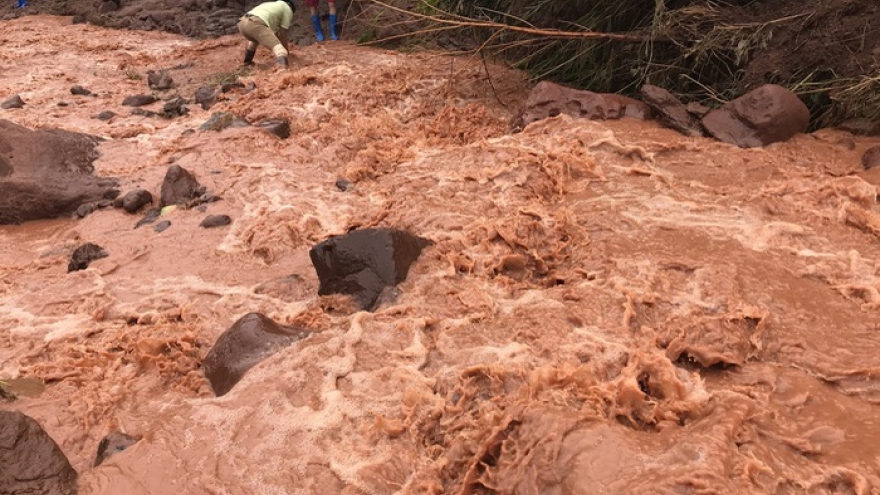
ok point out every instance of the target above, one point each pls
(30, 461)
(206, 97)
(105, 115)
(362, 263)
(159, 80)
(548, 99)
(46, 173)
(112, 444)
(769, 114)
(84, 255)
(672, 112)
(139, 100)
(251, 339)
(278, 127)
(79, 90)
(223, 120)
(162, 226)
(179, 187)
(175, 107)
(150, 217)
(871, 158)
(13, 101)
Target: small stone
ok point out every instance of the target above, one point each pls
(112, 444)
(84, 255)
(343, 184)
(14, 101)
(162, 226)
(85, 210)
(215, 221)
(175, 107)
(138, 100)
(150, 217)
(697, 109)
(111, 193)
(135, 200)
(79, 90)
(159, 80)
(672, 112)
(105, 115)
(223, 120)
(206, 97)
(230, 86)
(63, 104)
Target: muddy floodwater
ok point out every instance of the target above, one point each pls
(606, 308)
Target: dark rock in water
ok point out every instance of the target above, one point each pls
(230, 86)
(179, 187)
(63, 104)
(767, 115)
(87, 209)
(251, 339)
(108, 6)
(145, 113)
(548, 99)
(134, 200)
(84, 255)
(159, 80)
(223, 120)
(362, 263)
(150, 217)
(174, 107)
(206, 97)
(672, 112)
(105, 115)
(111, 193)
(46, 173)
(30, 461)
(112, 444)
(162, 226)
(79, 90)
(215, 221)
(139, 100)
(14, 101)
(871, 158)
(343, 184)
(278, 127)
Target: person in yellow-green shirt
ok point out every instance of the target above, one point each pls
(267, 24)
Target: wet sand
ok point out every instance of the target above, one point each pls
(609, 307)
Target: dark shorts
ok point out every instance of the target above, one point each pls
(314, 3)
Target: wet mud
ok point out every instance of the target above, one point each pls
(607, 306)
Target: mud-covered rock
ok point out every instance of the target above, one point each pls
(278, 127)
(179, 187)
(105, 115)
(139, 100)
(84, 255)
(871, 158)
(31, 463)
(13, 101)
(671, 111)
(343, 184)
(46, 173)
(223, 120)
(175, 107)
(362, 263)
(113, 444)
(549, 99)
(251, 339)
(159, 80)
(212, 221)
(767, 115)
(151, 216)
(134, 200)
(162, 226)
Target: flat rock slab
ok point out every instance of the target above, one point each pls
(362, 263)
(671, 111)
(251, 339)
(47, 173)
(769, 114)
(548, 99)
(30, 461)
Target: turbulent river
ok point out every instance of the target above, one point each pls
(607, 308)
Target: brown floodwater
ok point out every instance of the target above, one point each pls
(608, 308)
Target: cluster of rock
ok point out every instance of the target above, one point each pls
(767, 115)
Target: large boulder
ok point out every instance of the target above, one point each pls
(548, 99)
(31, 463)
(47, 173)
(251, 339)
(769, 114)
(363, 262)
(179, 187)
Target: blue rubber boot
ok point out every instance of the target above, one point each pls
(333, 35)
(316, 21)
(23, 3)
(17, 4)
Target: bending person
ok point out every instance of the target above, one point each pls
(316, 19)
(267, 24)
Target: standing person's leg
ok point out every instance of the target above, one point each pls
(316, 20)
(256, 30)
(333, 35)
(251, 48)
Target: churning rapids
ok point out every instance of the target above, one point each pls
(607, 308)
